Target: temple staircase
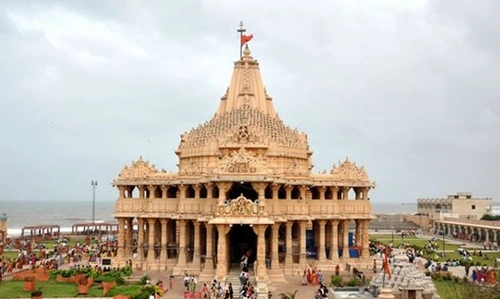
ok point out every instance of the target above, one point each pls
(233, 277)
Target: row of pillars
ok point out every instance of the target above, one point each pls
(339, 234)
(266, 191)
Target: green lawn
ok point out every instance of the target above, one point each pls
(451, 249)
(9, 255)
(53, 289)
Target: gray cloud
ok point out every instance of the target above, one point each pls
(408, 89)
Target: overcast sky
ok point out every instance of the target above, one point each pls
(409, 89)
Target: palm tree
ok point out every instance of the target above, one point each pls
(288, 295)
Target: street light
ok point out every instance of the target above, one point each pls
(93, 184)
(443, 241)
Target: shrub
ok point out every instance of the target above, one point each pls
(336, 281)
(353, 282)
(144, 279)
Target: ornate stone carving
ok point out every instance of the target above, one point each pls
(241, 206)
(270, 127)
(242, 161)
(348, 170)
(139, 169)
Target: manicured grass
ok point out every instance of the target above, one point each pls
(9, 255)
(53, 289)
(451, 249)
(449, 289)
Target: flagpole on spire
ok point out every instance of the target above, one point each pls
(241, 30)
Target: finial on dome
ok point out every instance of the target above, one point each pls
(247, 51)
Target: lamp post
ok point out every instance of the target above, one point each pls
(93, 184)
(443, 241)
(392, 230)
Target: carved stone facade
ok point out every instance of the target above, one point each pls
(245, 186)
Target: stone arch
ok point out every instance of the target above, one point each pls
(215, 192)
(351, 194)
(315, 193)
(328, 193)
(190, 193)
(282, 192)
(268, 192)
(295, 192)
(157, 193)
(172, 191)
(245, 188)
(203, 192)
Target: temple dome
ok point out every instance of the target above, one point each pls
(246, 119)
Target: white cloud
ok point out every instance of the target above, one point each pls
(407, 88)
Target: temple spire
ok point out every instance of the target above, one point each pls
(246, 88)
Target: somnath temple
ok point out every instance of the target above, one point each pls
(244, 186)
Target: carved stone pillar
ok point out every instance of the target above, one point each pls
(274, 190)
(322, 190)
(141, 191)
(221, 251)
(365, 193)
(121, 238)
(289, 253)
(152, 191)
(196, 191)
(358, 192)
(181, 224)
(121, 189)
(164, 190)
(345, 241)
(357, 234)
(151, 239)
(334, 251)
(302, 236)
(261, 190)
(163, 252)
(345, 193)
(288, 189)
(182, 190)
(222, 192)
(128, 240)
(274, 247)
(303, 192)
(261, 250)
(365, 250)
(209, 258)
(321, 249)
(140, 241)
(196, 249)
(335, 192)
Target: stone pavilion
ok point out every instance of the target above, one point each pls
(244, 186)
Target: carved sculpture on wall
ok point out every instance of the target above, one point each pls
(348, 170)
(242, 161)
(137, 170)
(241, 206)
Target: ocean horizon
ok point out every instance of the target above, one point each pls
(65, 214)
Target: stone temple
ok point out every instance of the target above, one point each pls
(244, 186)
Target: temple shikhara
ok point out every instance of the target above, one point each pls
(244, 186)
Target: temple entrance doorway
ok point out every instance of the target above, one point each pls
(244, 188)
(243, 241)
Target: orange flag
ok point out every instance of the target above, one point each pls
(387, 269)
(245, 39)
